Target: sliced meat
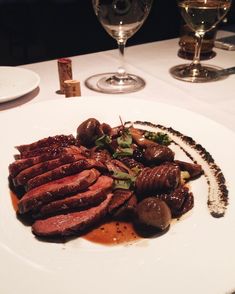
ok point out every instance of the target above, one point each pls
(24, 176)
(71, 223)
(60, 140)
(194, 170)
(63, 171)
(100, 154)
(131, 163)
(115, 166)
(36, 152)
(157, 179)
(58, 189)
(120, 196)
(96, 193)
(127, 210)
(21, 164)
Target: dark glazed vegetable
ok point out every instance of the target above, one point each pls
(139, 138)
(194, 170)
(160, 178)
(157, 154)
(179, 200)
(88, 132)
(154, 212)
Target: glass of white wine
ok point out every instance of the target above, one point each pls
(121, 19)
(201, 16)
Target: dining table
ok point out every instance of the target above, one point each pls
(212, 101)
(151, 61)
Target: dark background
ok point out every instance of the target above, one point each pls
(34, 30)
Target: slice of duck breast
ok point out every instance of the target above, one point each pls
(71, 223)
(95, 194)
(57, 189)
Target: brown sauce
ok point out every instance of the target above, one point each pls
(14, 200)
(113, 233)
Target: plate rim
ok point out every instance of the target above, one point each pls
(78, 99)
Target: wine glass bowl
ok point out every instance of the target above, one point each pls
(121, 19)
(201, 16)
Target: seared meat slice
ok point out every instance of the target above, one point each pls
(179, 201)
(71, 223)
(21, 164)
(60, 140)
(36, 152)
(63, 171)
(115, 165)
(158, 154)
(24, 176)
(120, 196)
(131, 163)
(94, 195)
(123, 207)
(100, 154)
(159, 178)
(195, 170)
(58, 189)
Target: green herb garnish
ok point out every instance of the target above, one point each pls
(125, 140)
(159, 137)
(103, 141)
(123, 176)
(122, 184)
(123, 180)
(120, 152)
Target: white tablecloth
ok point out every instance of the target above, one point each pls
(152, 61)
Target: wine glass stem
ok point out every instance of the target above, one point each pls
(121, 69)
(198, 47)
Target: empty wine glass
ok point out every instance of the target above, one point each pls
(201, 16)
(121, 19)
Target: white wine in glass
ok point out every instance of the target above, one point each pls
(201, 16)
(121, 19)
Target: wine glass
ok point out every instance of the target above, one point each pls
(201, 16)
(121, 19)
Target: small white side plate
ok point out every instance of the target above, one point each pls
(16, 82)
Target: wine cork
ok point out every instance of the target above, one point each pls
(72, 88)
(65, 72)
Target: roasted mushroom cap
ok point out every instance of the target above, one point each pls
(158, 154)
(88, 132)
(154, 212)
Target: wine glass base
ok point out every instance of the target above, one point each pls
(109, 84)
(206, 73)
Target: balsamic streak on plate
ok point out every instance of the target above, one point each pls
(217, 190)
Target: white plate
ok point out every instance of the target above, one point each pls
(195, 256)
(16, 82)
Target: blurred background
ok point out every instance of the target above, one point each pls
(38, 30)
